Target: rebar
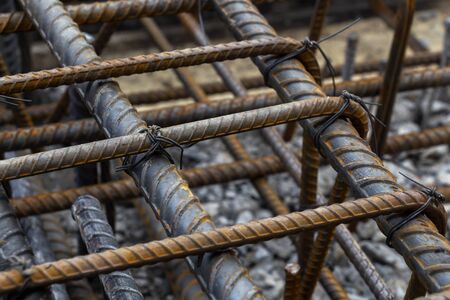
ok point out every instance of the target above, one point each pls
(105, 101)
(87, 130)
(350, 54)
(347, 153)
(72, 156)
(208, 268)
(144, 63)
(112, 11)
(319, 249)
(210, 241)
(333, 288)
(362, 263)
(243, 169)
(392, 74)
(292, 281)
(98, 236)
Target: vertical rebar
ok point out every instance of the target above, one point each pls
(39, 243)
(445, 58)
(350, 56)
(392, 75)
(308, 193)
(292, 281)
(57, 238)
(98, 236)
(333, 288)
(363, 264)
(316, 258)
(183, 282)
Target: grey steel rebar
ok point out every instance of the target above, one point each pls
(35, 234)
(58, 242)
(98, 236)
(347, 153)
(117, 117)
(39, 243)
(445, 58)
(350, 55)
(362, 263)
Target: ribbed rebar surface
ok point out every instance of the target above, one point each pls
(104, 126)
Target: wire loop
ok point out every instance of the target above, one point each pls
(433, 195)
(308, 45)
(158, 144)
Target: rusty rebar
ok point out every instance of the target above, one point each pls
(144, 63)
(243, 169)
(370, 86)
(392, 74)
(98, 237)
(331, 286)
(308, 194)
(112, 11)
(320, 245)
(117, 117)
(78, 155)
(182, 280)
(87, 130)
(347, 153)
(292, 281)
(210, 241)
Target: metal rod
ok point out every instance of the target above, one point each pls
(87, 130)
(292, 281)
(117, 118)
(144, 63)
(392, 74)
(83, 154)
(209, 241)
(98, 236)
(347, 153)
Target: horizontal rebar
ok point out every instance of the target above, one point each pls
(87, 130)
(220, 173)
(68, 157)
(110, 11)
(370, 87)
(144, 63)
(210, 241)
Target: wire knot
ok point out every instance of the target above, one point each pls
(347, 97)
(307, 45)
(158, 145)
(433, 196)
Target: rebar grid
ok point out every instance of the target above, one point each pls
(219, 273)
